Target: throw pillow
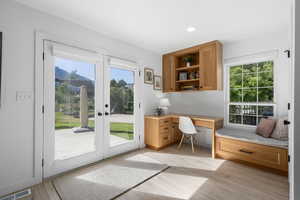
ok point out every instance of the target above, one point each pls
(281, 131)
(265, 127)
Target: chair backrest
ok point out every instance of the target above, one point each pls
(186, 125)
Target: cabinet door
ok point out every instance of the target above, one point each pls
(168, 73)
(208, 68)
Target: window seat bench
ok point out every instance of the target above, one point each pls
(246, 146)
(250, 136)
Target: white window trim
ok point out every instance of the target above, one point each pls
(248, 59)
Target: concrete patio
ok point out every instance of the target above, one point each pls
(69, 144)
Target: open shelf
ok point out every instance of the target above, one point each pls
(186, 81)
(204, 72)
(187, 68)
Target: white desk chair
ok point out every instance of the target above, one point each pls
(188, 129)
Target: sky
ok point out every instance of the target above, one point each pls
(87, 70)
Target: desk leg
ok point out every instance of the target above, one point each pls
(213, 144)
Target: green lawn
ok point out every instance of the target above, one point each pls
(67, 121)
(123, 130)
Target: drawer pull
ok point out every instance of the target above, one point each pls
(166, 121)
(166, 128)
(245, 151)
(165, 138)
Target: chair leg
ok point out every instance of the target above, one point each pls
(180, 141)
(192, 143)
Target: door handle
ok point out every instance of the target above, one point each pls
(286, 122)
(246, 151)
(99, 114)
(106, 113)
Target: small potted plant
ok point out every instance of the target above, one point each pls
(188, 60)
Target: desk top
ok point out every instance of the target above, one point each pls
(193, 117)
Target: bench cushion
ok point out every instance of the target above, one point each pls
(248, 135)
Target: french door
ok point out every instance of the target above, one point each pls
(121, 106)
(90, 103)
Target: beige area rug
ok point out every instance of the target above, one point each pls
(108, 179)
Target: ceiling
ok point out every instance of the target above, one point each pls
(160, 25)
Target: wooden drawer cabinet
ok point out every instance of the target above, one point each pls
(160, 132)
(164, 129)
(267, 156)
(164, 122)
(164, 139)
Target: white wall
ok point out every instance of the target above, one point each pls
(212, 102)
(19, 24)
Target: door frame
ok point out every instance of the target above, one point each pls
(38, 124)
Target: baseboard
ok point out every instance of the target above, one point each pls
(5, 190)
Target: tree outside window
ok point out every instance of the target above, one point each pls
(251, 92)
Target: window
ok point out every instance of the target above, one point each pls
(251, 92)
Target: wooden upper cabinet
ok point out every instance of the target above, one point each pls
(211, 67)
(168, 73)
(204, 71)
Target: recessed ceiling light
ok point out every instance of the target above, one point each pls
(190, 29)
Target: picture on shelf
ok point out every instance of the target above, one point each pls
(148, 76)
(157, 83)
(183, 76)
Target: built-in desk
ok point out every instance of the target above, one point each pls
(161, 131)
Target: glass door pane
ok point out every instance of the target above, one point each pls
(74, 108)
(121, 119)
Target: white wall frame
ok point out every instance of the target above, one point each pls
(248, 59)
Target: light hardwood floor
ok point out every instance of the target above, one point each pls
(195, 176)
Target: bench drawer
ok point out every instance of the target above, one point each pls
(255, 153)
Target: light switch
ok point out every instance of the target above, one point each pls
(22, 96)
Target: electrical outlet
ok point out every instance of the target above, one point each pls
(22, 96)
